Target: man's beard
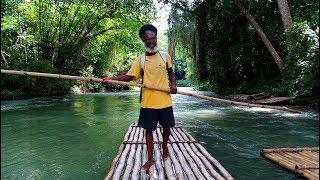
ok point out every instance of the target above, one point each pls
(153, 50)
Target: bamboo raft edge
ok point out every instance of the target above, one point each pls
(302, 161)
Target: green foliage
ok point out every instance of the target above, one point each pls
(205, 86)
(271, 85)
(9, 23)
(7, 94)
(302, 67)
(179, 68)
(227, 55)
(68, 37)
(17, 87)
(184, 83)
(183, 64)
(92, 86)
(95, 87)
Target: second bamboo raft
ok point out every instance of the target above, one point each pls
(302, 161)
(188, 159)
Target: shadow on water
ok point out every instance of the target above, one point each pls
(77, 136)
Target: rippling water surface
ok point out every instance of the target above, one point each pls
(77, 136)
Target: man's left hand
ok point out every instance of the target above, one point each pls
(173, 89)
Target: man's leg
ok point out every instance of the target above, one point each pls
(149, 142)
(165, 135)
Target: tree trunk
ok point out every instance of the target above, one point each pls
(200, 56)
(286, 20)
(263, 37)
(172, 42)
(285, 14)
(3, 59)
(22, 38)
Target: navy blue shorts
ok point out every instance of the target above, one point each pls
(149, 118)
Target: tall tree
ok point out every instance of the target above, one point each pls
(285, 14)
(286, 21)
(172, 40)
(172, 43)
(262, 35)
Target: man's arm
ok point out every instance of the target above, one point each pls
(172, 81)
(124, 78)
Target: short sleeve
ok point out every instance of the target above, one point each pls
(135, 69)
(169, 61)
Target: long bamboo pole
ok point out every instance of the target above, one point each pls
(60, 76)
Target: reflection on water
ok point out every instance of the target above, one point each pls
(77, 136)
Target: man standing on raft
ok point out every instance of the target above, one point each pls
(155, 69)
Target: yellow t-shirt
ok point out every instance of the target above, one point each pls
(155, 75)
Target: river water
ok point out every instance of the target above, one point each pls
(77, 136)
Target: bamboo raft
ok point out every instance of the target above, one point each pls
(187, 160)
(302, 161)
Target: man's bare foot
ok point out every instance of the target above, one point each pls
(165, 154)
(147, 165)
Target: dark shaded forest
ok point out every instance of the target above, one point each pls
(228, 54)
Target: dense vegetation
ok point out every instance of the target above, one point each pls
(81, 37)
(228, 56)
(216, 46)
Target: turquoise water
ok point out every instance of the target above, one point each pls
(77, 136)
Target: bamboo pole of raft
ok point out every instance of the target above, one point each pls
(230, 102)
(118, 155)
(314, 155)
(137, 160)
(307, 156)
(167, 163)
(123, 157)
(157, 155)
(307, 166)
(297, 160)
(284, 162)
(186, 147)
(300, 159)
(186, 169)
(168, 168)
(276, 150)
(199, 157)
(206, 163)
(188, 172)
(144, 159)
(138, 163)
(279, 161)
(189, 159)
(175, 163)
(221, 169)
(310, 154)
(131, 157)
